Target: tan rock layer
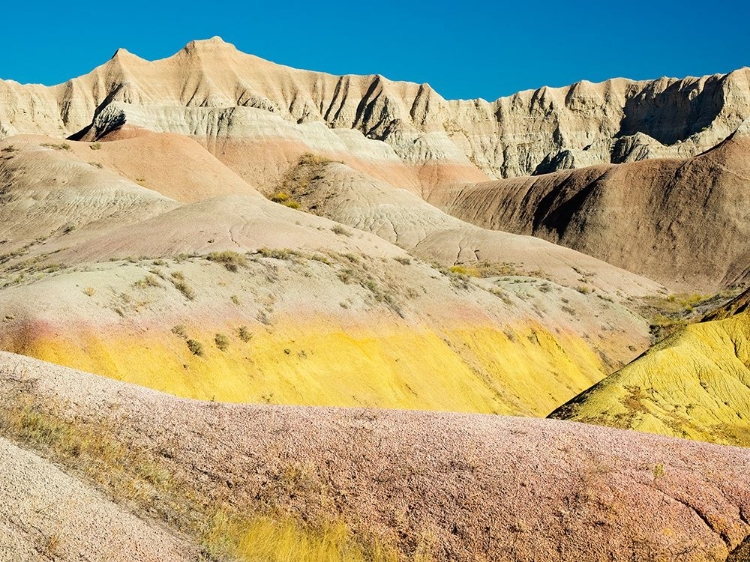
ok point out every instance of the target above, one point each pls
(541, 130)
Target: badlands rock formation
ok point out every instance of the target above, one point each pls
(258, 118)
(381, 485)
(695, 384)
(683, 222)
(221, 96)
(236, 298)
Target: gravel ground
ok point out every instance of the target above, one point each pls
(47, 515)
(469, 486)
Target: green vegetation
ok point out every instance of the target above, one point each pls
(278, 253)
(146, 282)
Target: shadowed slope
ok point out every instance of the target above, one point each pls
(659, 218)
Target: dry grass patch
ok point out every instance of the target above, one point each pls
(229, 259)
(148, 481)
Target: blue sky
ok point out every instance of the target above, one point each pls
(464, 49)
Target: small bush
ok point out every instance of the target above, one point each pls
(403, 261)
(221, 341)
(10, 148)
(235, 300)
(62, 146)
(95, 145)
(195, 347)
(278, 254)
(283, 198)
(583, 289)
(340, 230)
(96, 165)
(180, 331)
(463, 270)
(244, 334)
(231, 260)
(89, 291)
(146, 282)
(178, 280)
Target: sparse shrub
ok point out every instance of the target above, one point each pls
(178, 280)
(95, 145)
(96, 165)
(569, 310)
(321, 258)
(583, 289)
(10, 148)
(89, 291)
(231, 260)
(347, 275)
(502, 295)
(244, 334)
(283, 198)
(62, 146)
(463, 270)
(68, 228)
(195, 347)
(403, 261)
(146, 282)
(235, 300)
(278, 254)
(221, 341)
(180, 331)
(658, 470)
(545, 287)
(340, 230)
(310, 159)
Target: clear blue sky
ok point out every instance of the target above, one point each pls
(464, 49)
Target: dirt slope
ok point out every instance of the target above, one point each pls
(695, 384)
(428, 486)
(659, 218)
(241, 299)
(46, 514)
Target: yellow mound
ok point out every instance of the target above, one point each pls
(695, 384)
(525, 371)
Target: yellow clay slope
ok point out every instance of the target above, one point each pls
(695, 384)
(525, 371)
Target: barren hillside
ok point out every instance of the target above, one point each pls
(255, 482)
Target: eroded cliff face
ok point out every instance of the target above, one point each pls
(218, 94)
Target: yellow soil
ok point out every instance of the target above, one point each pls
(526, 371)
(695, 384)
